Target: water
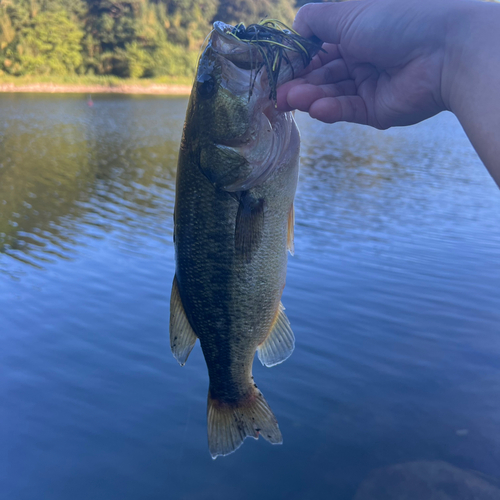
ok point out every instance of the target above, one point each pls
(393, 297)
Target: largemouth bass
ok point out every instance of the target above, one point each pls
(236, 180)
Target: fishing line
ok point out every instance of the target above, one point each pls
(180, 469)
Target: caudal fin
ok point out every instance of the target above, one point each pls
(229, 425)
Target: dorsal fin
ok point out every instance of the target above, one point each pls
(182, 336)
(280, 342)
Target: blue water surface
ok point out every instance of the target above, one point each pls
(393, 295)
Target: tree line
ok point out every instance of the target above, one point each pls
(126, 38)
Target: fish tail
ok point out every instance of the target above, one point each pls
(230, 424)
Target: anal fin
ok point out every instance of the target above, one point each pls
(182, 336)
(280, 342)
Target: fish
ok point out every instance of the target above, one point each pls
(233, 223)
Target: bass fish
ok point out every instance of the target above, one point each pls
(233, 222)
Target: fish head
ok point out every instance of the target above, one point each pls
(240, 135)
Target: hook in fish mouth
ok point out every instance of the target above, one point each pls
(266, 45)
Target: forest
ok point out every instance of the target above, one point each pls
(129, 38)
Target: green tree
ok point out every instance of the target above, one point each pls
(110, 28)
(189, 21)
(51, 44)
(248, 12)
(172, 60)
(129, 38)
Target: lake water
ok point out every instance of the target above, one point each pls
(393, 295)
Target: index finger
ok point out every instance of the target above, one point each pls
(328, 53)
(324, 20)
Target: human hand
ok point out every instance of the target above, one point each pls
(384, 63)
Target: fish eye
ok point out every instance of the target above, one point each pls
(206, 85)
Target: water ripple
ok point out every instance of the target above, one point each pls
(392, 295)
(81, 171)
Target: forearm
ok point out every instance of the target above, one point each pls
(471, 79)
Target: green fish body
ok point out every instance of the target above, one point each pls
(236, 180)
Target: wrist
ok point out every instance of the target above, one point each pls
(471, 78)
(471, 48)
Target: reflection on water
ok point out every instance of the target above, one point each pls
(392, 295)
(66, 166)
(431, 480)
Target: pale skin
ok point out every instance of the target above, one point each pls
(397, 62)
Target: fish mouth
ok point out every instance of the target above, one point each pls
(271, 50)
(229, 46)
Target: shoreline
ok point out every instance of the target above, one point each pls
(54, 88)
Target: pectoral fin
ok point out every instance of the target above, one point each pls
(182, 336)
(280, 342)
(249, 226)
